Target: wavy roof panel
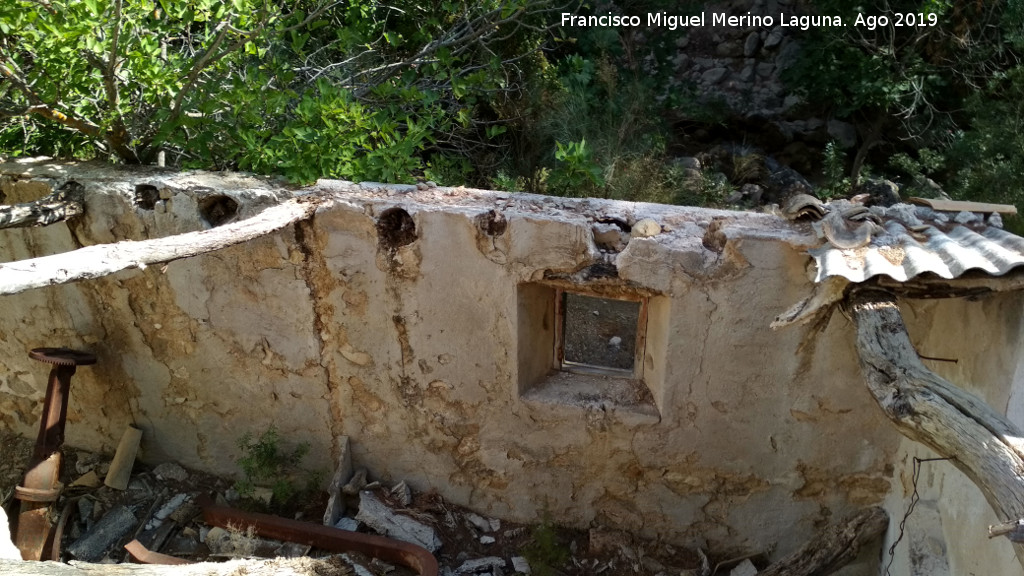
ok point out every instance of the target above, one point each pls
(915, 240)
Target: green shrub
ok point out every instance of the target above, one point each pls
(545, 553)
(265, 464)
(837, 183)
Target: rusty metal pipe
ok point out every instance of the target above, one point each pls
(324, 537)
(34, 534)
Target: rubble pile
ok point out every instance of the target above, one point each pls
(161, 509)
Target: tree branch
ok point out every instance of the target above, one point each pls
(40, 108)
(56, 207)
(928, 409)
(104, 259)
(833, 548)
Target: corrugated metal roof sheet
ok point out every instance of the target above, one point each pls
(914, 240)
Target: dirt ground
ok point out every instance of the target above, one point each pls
(601, 331)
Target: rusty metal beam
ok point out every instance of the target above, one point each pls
(324, 537)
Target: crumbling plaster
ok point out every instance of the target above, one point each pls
(323, 329)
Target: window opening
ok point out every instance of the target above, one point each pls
(600, 335)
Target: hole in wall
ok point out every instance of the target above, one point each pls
(72, 189)
(395, 228)
(492, 223)
(218, 209)
(146, 196)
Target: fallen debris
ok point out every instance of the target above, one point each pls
(834, 548)
(384, 520)
(88, 480)
(335, 502)
(478, 564)
(402, 494)
(745, 568)
(329, 566)
(168, 529)
(356, 484)
(521, 565)
(478, 521)
(171, 471)
(323, 537)
(92, 546)
(124, 458)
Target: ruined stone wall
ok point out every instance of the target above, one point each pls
(412, 321)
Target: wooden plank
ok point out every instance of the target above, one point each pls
(960, 206)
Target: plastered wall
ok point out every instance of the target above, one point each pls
(342, 325)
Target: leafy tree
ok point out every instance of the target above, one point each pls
(907, 83)
(258, 83)
(125, 75)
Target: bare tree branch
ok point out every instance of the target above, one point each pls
(57, 207)
(40, 108)
(926, 408)
(104, 259)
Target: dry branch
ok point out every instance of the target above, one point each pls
(833, 548)
(104, 259)
(926, 408)
(330, 566)
(54, 208)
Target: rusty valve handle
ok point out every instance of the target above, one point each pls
(34, 535)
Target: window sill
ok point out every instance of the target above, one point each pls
(595, 392)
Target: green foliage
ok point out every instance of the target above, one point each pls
(265, 464)
(330, 134)
(597, 134)
(360, 89)
(927, 162)
(706, 189)
(576, 172)
(834, 169)
(448, 169)
(987, 161)
(125, 75)
(889, 69)
(545, 553)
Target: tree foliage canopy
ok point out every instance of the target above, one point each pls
(356, 89)
(496, 93)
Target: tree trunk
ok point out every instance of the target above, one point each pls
(833, 548)
(330, 566)
(103, 259)
(926, 408)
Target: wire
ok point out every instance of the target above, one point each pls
(914, 499)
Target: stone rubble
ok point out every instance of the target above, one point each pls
(171, 471)
(745, 568)
(94, 544)
(166, 520)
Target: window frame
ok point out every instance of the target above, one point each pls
(639, 350)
